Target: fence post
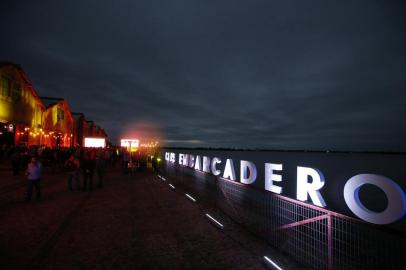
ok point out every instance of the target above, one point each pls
(329, 242)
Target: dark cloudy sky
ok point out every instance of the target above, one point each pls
(239, 73)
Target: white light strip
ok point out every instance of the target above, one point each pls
(172, 186)
(272, 263)
(162, 178)
(214, 220)
(190, 197)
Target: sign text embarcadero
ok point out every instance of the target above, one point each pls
(309, 183)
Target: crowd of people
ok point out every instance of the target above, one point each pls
(80, 164)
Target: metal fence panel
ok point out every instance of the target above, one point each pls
(313, 236)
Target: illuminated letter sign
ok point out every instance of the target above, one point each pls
(396, 208)
(304, 187)
(248, 172)
(309, 182)
(197, 163)
(172, 157)
(214, 163)
(206, 164)
(271, 177)
(181, 159)
(229, 171)
(191, 161)
(184, 159)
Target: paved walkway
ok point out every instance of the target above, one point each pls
(134, 222)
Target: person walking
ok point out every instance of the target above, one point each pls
(73, 167)
(34, 171)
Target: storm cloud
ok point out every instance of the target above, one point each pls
(249, 74)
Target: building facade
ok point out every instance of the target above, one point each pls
(27, 119)
(58, 123)
(80, 128)
(21, 111)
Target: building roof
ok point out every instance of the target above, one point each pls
(77, 115)
(27, 81)
(6, 63)
(50, 101)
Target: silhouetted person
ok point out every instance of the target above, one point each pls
(2, 153)
(34, 170)
(26, 159)
(106, 155)
(73, 167)
(126, 161)
(88, 165)
(100, 166)
(16, 161)
(155, 164)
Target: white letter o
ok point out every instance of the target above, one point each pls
(395, 209)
